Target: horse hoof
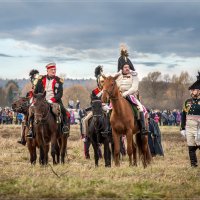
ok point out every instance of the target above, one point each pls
(108, 165)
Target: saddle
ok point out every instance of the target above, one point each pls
(56, 110)
(133, 106)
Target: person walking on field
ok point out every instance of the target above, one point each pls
(190, 122)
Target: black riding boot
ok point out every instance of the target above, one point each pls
(193, 156)
(142, 124)
(66, 122)
(23, 140)
(107, 130)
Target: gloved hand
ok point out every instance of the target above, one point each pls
(183, 133)
(49, 101)
(125, 94)
(134, 73)
(105, 107)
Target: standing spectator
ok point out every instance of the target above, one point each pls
(0, 115)
(171, 119)
(156, 118)
(4, 116)
(178, 118)
(20, 117)
(175, 115)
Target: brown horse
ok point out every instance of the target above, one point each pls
(47, 131)
(22, 106)
(123, 122)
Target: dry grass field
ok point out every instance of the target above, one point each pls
(170, 177)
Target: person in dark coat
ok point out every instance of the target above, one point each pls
(53, 86)
(124, 60)
(34, 74)
(190, 121)
(154, 138)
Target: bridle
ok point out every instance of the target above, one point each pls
(23, 107)
(110, 93)
(44, 119)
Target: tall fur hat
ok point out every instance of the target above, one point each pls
(98, 71)
(33, 72)
(123, 59)
(196, 85)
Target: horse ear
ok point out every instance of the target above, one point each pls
(116, 76)
(44, 94)
(103, 76)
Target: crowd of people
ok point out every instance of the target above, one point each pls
(8, 116)
(166, 117)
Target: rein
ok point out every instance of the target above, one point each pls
(23, 107)
(44, 119)
(110, 94)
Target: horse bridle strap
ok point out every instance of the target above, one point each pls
(44, 119)
(110, 94)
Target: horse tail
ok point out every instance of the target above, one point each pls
(139, 144)
(143, 148)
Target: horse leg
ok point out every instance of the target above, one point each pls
(145, 150)
(107, 153)
(53, 152)
(96, 153)
(41, 155)
(116, 139)
(134, 154)
(129, 137)
(58, 145)
(46, 150)
(63, 148)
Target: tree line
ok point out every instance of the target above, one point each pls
(157, 91)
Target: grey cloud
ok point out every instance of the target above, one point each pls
(172, 66)
(145, 27)
(56, 59)
(5, 55)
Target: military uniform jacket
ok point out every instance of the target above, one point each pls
(190, 107)
(128, 83)
(57, 87)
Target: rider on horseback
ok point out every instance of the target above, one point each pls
(53, 85)
(33, 78)
(96, 95)
(128, 82)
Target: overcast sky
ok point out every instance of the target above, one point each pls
(79, 35)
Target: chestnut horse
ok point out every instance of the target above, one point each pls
(123, 122)
(22, 106)
(47, 130)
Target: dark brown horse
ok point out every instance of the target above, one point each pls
(123, 122)
(47, 131)
(22, 106)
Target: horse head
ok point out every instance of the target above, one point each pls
(21, 105)
(41, 108)
(110, 89)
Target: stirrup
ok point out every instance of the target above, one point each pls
(30, 134)
(65, 130)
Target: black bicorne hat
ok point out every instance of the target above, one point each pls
(196, 85)
(124, 60)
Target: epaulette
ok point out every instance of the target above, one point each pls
(187, 105)
(40, 77)
(61, 80)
